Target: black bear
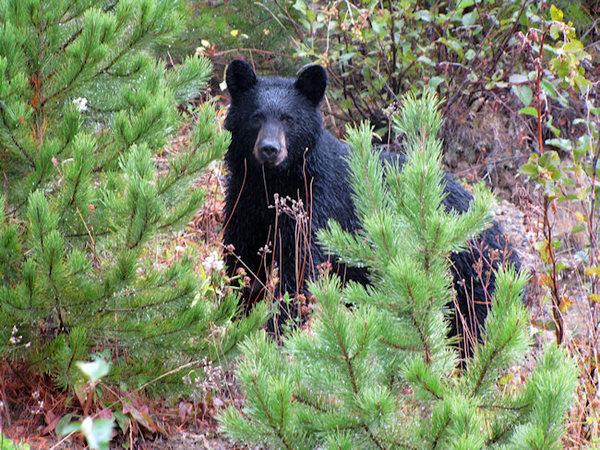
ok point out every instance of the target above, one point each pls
(287, 176)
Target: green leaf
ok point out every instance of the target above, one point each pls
(529, 169)
(64, 425)
(453, 44)
(68, 428)
(378, 26)
(582, 83)
(549, 89)
(523, 93)
(123, 420)
(551, 127)
(563, 144)
(7, 444)
(573, 46)
(423, 15)
(464, 4)
(97, 432)
(529, 111)
(345, 57)
(556, 14)
(436, 81)
(425, 60)
(94, 370)
(518, 78)
(469, 19)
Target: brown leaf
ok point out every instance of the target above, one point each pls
(141, 416)
(565, 304)
(106, 413)
(51, 420)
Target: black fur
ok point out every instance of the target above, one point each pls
(315, 172)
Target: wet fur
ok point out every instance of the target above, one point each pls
(316, 172)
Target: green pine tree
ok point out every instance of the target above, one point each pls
(84, 108)
(383, 374)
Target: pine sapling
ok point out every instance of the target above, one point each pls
(85, 108)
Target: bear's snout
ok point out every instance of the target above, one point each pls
(270, 147)
(269, 150)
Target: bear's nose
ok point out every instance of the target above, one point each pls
(269, 151)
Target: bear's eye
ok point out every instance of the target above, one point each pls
(286, 119)
(257, 117)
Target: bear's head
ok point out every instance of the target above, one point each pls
(274, 121)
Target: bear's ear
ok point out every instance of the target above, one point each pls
(312, 82)
(239, 77)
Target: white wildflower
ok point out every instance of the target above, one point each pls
(81, 103)
(213, 262)
(14, 339)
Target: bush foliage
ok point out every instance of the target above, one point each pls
(375, 51)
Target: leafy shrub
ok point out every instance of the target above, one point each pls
(375, 51)
(564, 172)
(378, 50)
(581, 14)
